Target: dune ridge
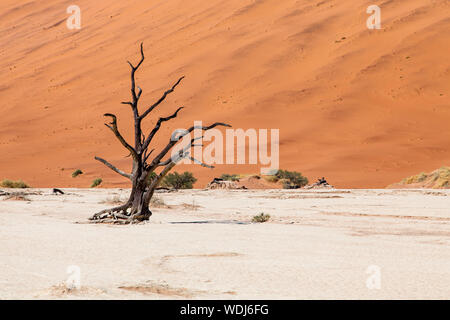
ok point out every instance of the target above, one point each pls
(364, 108)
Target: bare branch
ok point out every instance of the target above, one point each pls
(109, 165)
(157, 126)
(140, 62)
(147, 155)
(135, 99)
(157, 103)
(142, 56)
(183, 153)
(113, 127)
(201, 163)
(171, 162)
(135, 96)
(156, 161)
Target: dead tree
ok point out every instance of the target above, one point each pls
(146, 174)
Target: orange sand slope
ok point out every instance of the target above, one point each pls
(364, 108)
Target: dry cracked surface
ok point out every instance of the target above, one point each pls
(202, 244)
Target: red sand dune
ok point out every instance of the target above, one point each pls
(364, 108)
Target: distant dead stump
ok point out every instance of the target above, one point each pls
(218, 183)
(57, 191)
(320, 184)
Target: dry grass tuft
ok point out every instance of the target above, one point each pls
(260, 218)
(437, 179)
(14, 184)
(159, 289)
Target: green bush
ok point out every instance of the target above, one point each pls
(272, 179)
(14, 184)
(261, 218)
(96, 182)
(291, 179)
(230, 177)
(175, 180)
(76, 173)
(151, 176)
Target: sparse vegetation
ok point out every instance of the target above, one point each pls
(291, 179)
(14, 184)
(175, 180)
(272, 179)
(96, 182)
(260, 218)
(230, 177)
(415, 179)
(442, 178)
(151, 177)
(76, 173)
(439, 178)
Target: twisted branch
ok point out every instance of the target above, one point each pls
(158, 126)
(109, 165)
(157, 103)
(113, 126)
(156, 161)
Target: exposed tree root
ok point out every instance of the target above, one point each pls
(119, 215)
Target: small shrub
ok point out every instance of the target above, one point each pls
(291, 179)
(261, 218)
(421, 177)
(443, 180)
(96, 182)
(288, 185)
(175, 180)
(415, 179)
(14, 184)
(230, 177)
(76, 173)
(439, 178)
(271, 179)
(151, 176)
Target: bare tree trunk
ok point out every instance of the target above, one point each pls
(136, 209)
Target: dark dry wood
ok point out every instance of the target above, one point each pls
(136, 209)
